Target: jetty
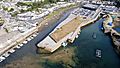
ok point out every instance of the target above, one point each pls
(68, 30)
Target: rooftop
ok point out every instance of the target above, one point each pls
(91, 6)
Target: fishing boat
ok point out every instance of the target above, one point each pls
(98, 53)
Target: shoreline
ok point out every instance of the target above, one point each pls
(30, 35)
(70, 36)
(112, 33)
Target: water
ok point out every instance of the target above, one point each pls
(84, 52)
(86, 47)
(117, 29)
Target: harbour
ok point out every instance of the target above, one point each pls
(89, 46)
(84, 53)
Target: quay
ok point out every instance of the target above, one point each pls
(68, 30)
(16, 45)
(20, 39)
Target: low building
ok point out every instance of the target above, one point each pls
(91, 6)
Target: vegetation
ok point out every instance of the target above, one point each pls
(58, 11)
(35, 5)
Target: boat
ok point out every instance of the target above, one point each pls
(76, 36)
(2, 58)
(98, 53)
(34, 35)
(94, 36)
(64, 44)
(28, 39)
(12, 50)
(6, 54)
(25, 42)
(17, 46)
(21, 45)
(31, 37)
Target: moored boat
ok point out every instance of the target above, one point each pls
(98, 53)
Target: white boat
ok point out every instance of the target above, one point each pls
(76, 36)
(21, 45)
(31, 37)
(17, 46)
(34, 35)
(98, 53)
(12, 50)
(6, 54)
(2, 58)
(64, 44)
(28, 39)
(25, 42)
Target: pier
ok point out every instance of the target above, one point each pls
(66, 31)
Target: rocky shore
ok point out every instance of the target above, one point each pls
(113, 33)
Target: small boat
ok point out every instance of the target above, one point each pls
(28, 39)
(31, 37)
(34, 35)
(21, 45)
(98, 53)
(25, 42)
(17, 46)
(2, 58)
(64, 44)
(12, 50)
(94, 36)
(76, 36)
(6, 54)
